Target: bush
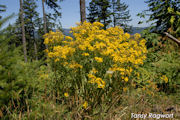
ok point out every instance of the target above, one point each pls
(94, 66)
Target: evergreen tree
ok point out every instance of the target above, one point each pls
(93, 12)
(53, 22)
(120, 15)
(104, 15)
(53, 4)
(100, 12)
(30, 26)
(9, 67)
(33, 24)
(2, 9)
(105, 10)
(160, 13)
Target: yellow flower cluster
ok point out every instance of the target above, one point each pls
(61, 52)
(53, 37)
(75, 65)
(111, 42)
(94, 71)
(98, 59)
(164, 78)
(113, 48)
(85, 54)
(97, 80)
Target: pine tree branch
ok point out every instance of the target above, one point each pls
(173, 38)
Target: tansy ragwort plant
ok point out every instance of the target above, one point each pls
(94, 62)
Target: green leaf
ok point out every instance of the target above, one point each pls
(178, 13)
(170, 10)
(172, 19)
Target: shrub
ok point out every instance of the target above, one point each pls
(95, 65)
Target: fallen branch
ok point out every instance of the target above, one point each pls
(173, 38)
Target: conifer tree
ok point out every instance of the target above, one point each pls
(33, 24)
(159, 12)
(105, 11)
(53, 4)
(9, 68)
(2, 9)
(30, 26)
(104, 15)
(100, 12)
(121, 15)
(93, 12)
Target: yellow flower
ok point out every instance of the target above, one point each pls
(100, 82)
(91, 76)
(137, 36)
(98, 24)
(68, 38)
(66, 94)
(75, 65)
(85, 104)
(94, 70)
(46, 50)
(124, 89)
(82, 47)
(127, 35)
(56, 60)
(98, 59)
(85, 54)
(164, 78)
(50, 54)
(126, 79)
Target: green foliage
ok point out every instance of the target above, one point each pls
(152, 38)
(163, 59)
(31, 24)
(17, 78)
(163, 13)
(53, 4)
(2, 9)
(174, 21)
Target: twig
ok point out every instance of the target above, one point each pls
(173, 38)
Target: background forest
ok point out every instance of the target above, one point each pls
(99, 70)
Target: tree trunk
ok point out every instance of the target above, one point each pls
(35, 45)
(35, 50)
(173, 38)
(23, 31)
(82, 10)
(45, 20)
(114, 18)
